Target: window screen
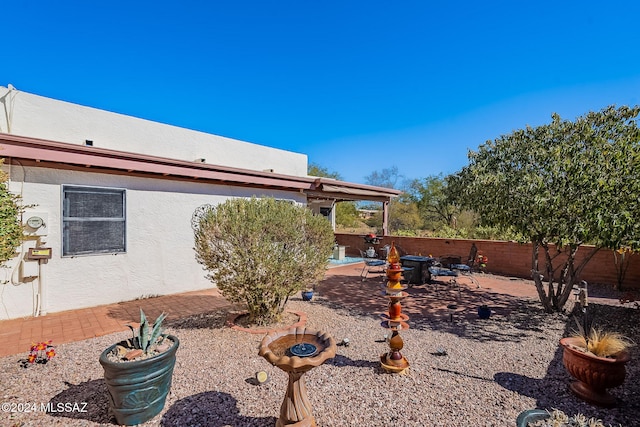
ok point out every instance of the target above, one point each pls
(93, 220)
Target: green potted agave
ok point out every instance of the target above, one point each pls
(555, 418)
(138, 372)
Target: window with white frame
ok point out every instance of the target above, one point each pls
(93, 220)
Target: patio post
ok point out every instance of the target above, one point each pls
(385, 218)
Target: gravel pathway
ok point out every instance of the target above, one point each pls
(493, 369)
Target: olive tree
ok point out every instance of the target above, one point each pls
(560, 185)
(261, 251)
(10, 227)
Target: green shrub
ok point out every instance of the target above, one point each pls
(261, 251)
(10, 227)
(347, 214)
(407, 233)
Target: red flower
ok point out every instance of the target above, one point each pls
(482, 260)
(41, 352)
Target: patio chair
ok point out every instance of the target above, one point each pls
(371, 265)
(440, 268)
(454, 262)
(471, 260)
(452, 266)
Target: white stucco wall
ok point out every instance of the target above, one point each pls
(159, 258)
(26, 114)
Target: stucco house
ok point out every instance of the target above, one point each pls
(113, 197)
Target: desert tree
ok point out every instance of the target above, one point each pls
(560, 185)
(430, 196)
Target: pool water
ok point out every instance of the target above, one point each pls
(344, 261)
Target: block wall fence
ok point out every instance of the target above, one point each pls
(505, 258)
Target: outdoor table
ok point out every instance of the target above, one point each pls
(420, 265)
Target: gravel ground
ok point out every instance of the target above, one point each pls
(493, 369)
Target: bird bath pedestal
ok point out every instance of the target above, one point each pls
(297, 351)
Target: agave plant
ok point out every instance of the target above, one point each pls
(557, 418)
(148, 335)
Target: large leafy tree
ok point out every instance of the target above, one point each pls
(260, 251)
(10, 227)
(560, 185)
(347, 214)
(403, 216)
(403, 211)
(429, 195)
(315, 169)
(387, 177)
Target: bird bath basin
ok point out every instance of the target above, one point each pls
(297, 351)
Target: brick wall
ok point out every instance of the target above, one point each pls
(505, 258)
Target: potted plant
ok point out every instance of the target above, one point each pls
(484, 312)
(138, 372)
(596, 359)
(555, 418)
(307, 295)
(530, 417)
(482, 261)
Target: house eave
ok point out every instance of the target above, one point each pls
(53, 154)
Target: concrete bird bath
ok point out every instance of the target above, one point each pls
(297, 351)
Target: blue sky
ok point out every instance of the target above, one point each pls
(358, 86)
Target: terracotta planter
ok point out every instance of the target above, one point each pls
(138, 389)
(594, 374)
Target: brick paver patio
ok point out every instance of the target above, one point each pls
(342, 285)
(17, 335)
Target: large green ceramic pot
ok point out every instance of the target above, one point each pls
(138, 389)
(530, 416)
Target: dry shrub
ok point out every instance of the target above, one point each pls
(261, 251)
(602, 343)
